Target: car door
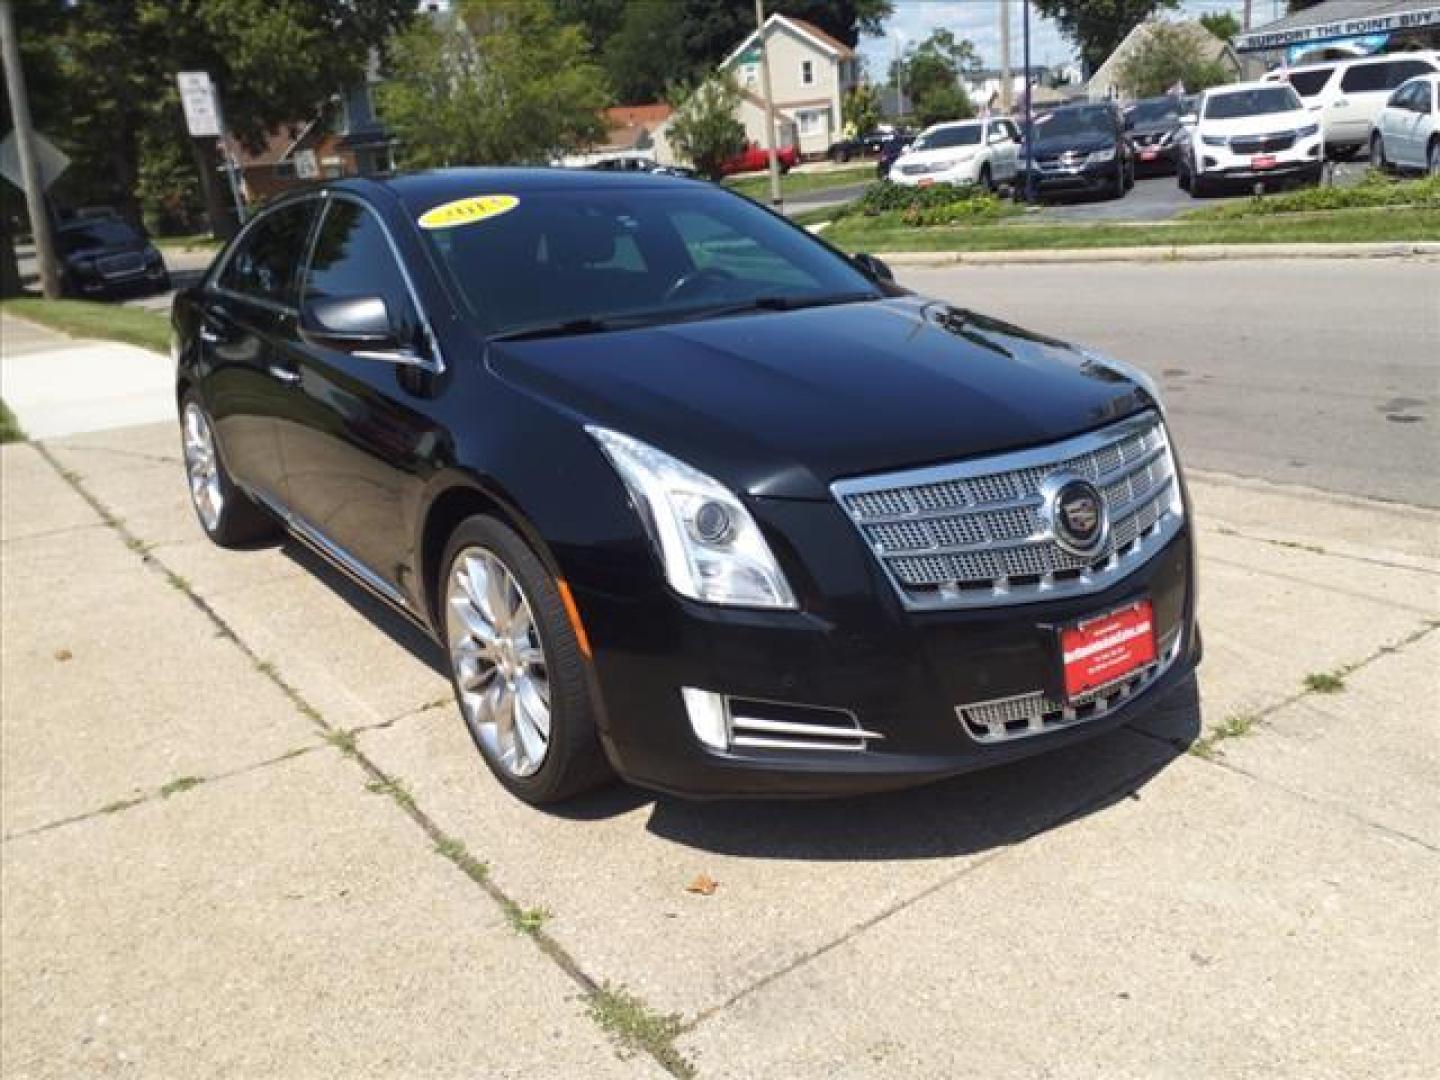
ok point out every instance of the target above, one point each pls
(1413, 116)
(356, 437)
(1396, 126)
(248, 308)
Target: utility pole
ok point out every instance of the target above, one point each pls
(25, 147)
(1029, 115)
(1245, 22)
(1007, 91)
(776, 199)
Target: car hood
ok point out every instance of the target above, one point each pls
(1155, 129)
(1080, 144)
(1257, 125)
(943, 153)
(781, 404)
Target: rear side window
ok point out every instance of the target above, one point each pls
(266, 265)
(1370, 78)
(1309, 83)
(352, 258)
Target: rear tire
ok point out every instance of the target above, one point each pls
(486, 666)
(229, 517)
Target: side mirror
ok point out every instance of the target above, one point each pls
(358, 325)
(874, 269)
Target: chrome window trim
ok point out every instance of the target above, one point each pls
(1054, 455)
(217, 270)
(436, 363)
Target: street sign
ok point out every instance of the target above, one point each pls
(202, 112)
(48, 157)
(307, 167)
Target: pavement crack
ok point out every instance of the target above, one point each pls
(527, 920)
(1310, 582)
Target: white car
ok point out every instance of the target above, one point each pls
(983, 152)
(1349, 94)
(1407, 131)
(1249, 133)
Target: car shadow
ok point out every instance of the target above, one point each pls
(965, 815)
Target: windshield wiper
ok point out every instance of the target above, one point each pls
(777, 303)
(566, 328)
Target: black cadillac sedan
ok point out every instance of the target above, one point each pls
(684, 493)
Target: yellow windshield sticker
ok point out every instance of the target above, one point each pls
(467, 211)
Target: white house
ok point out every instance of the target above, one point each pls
(1105, 84)
(810, 73)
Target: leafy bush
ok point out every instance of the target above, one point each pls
(1375, 190)
(976, 208)
(882, 198)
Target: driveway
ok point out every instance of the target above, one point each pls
(245, 834)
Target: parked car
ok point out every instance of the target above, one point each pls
(755, 158)
(890, 150)
(101, 256)
(638, 163)
(1079, 149)
(867, 145)
(1349, 94)
(681, 491)
(979, 152)
(1248, 133)
(1153, 128)
(1407, 131)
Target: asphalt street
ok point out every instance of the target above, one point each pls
(1323, 373)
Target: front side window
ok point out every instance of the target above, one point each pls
(266, 264)
(352, 258)
(651, 253)
(1256, 102)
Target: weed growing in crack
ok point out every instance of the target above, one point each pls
(637, 1027)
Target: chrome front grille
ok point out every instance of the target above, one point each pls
(120, 265)
(1027, 715)
(1262, 144)
(978, 533)
(771, 725)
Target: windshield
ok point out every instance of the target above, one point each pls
(1155, 112)
(634, 254)
(94, 234)
(1256, 102)
(1068, 123)
(962, 135)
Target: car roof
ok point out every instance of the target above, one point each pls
(426, 189)
(956, 124)
(1350, 61)
(1235, 88)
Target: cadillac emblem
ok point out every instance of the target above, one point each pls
(1077, 515)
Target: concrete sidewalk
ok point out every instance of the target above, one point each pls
(245, 834)
(59, 385)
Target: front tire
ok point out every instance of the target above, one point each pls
(986, 180)
(517, 667)
(1377, 153)
(229, 517)
(1432, 156)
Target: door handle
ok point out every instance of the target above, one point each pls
(208, 335)
(284, 374)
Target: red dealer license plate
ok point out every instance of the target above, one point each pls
(1101, 650)
(1149, 155)
(1263, 162)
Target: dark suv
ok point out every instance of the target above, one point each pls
(683, 492)
(105, 255)
(1154, 130)
(1078, 150)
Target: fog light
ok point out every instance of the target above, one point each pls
(707, 717)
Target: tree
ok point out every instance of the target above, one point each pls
(703, 128)
(103, 73)
(932, 72)
(1171, 54)
(646, 52)
(492, 84)
(861, 109)
(1223, 24)
(1096, 27)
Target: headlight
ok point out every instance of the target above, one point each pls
(1308, 130)
(708, 543)
(1099, 156)
(1166, 139)
(1213, 140)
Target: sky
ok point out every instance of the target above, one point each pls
(979, 20)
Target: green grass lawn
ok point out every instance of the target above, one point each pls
(92, 319)
(194, 242)
(757, 185)
(10, 430)
(885, 232)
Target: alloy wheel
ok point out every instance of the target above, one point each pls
(499, 662)
(202, 467)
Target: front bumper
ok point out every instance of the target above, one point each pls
(853, 649)
(1303, 161)
(961, 175)
(1079, 179)
(1154, 160)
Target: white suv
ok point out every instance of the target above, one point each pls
(1248, 132)
(1349, 94)
(983, 152)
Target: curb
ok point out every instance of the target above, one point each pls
(1165, 253)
